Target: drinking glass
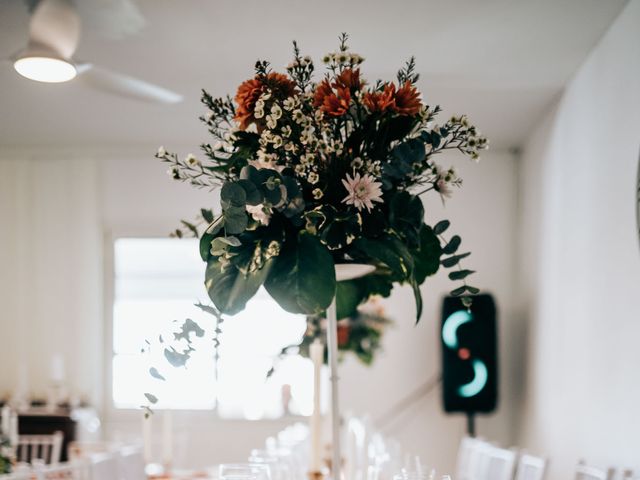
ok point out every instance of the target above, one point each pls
(244, 471)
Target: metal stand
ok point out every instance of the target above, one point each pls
(332, 344)
(471, 424)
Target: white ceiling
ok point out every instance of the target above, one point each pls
(501, 61)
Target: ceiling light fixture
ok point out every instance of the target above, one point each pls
(45, 68)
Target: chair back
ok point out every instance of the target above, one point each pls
(103, 466)
(131, 463)
(530, 467)
(586, 472)
(466, 454)
(499, 464)
(47, 448)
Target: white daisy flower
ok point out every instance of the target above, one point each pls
(313, 178)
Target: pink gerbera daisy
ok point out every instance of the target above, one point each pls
(363, 191)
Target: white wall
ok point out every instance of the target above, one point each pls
(580, 263)
(132, 195)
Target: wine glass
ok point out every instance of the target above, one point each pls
(244, 471)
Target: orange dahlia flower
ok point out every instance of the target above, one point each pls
(323, 90)
(349, 79)
(407, 100)
(380, 101)
(337, 104)
(250, 90)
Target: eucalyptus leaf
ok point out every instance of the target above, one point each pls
(153, 371)
(230, 289)
(189, 327)
(451, 247)
(175, 358)
(427, 255)
(460, 274)
(152, 398)
(236, 220)
(207, 214)
(232, 241)
(418, 297)
(458, 291)
(454, 260)
(232, 194)
(253, 194)
(441, 227)
(303, 277)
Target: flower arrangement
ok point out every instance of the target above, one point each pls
(314, 174)
(360, 333)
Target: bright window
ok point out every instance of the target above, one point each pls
(157, 282)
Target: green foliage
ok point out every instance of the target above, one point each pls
(427, 255)
(303, 278)
(229, 289)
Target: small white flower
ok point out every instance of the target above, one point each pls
(313, 178)
(191, 160)
(317, 193)
(306, 60)
(286, 131)
(298, 116)
(290, 147)
(161, 152)
(277, 141)
(174, 172)
(258, 113)
(276, 111)
(300, 169)
(357, 163)
(289, 104)
(271, 122)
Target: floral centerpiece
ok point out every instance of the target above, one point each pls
(315, 174)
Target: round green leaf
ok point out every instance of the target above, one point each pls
(303, 277)
(232, 194)
(229, 289)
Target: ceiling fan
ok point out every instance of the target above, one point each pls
(54, 33)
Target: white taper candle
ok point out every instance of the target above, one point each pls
(316, 352)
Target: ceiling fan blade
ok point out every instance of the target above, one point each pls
(125, 85)
(55, 24)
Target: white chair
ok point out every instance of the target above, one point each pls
(586, 472)
(499, 464)
(530, 467)
(466, 456)
(103, 466)
(131, 463)
(47, 448)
